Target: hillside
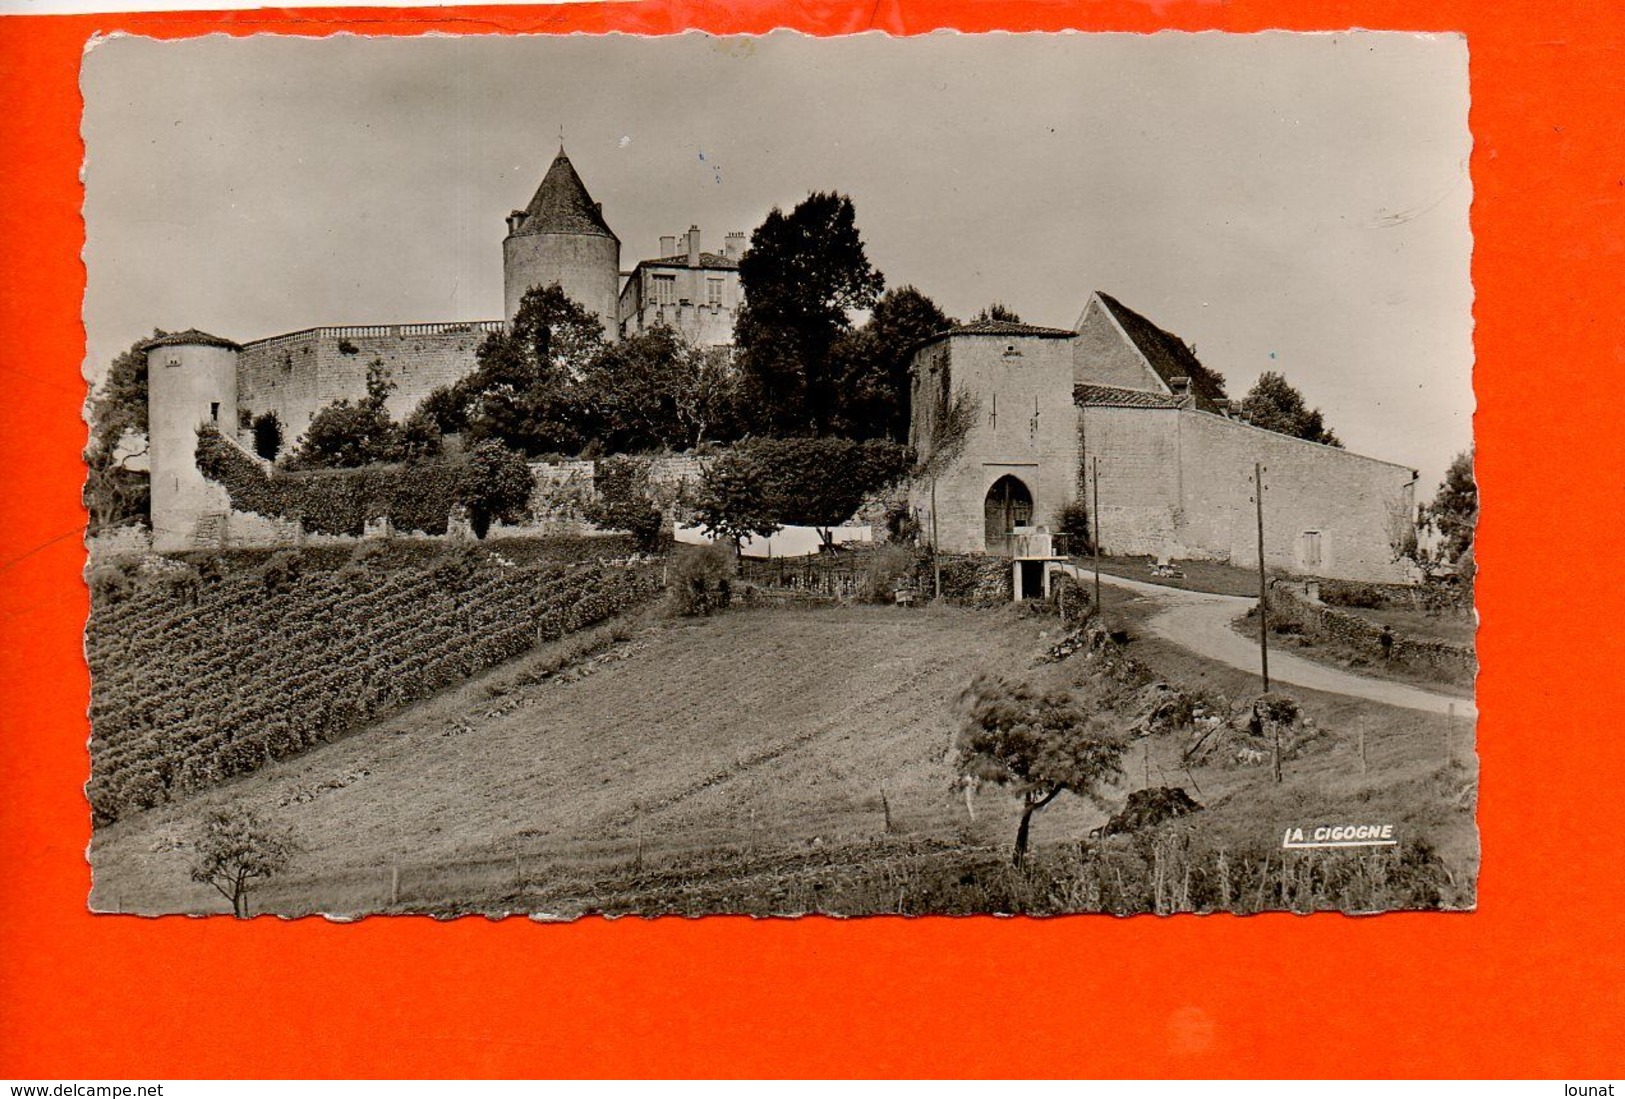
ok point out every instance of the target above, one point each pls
(742, 762)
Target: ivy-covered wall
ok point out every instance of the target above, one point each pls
(418, 497)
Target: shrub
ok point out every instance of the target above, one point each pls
(902, 525)
(418, 496)
(113, 583)
(495, 484)
(1344, 594)
(267, 435)
(622, 501)
(695, 578)
(885, 569)
(1073, 521)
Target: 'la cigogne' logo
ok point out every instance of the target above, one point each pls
(1340, 835)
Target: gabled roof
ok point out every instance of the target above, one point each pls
(192, 337)
(562, 205)
(1166, 353)
(709, 260)
(1114, 396)
(1009, 328)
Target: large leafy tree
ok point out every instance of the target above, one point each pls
(523, 393)
(1453, 514)
(655, 390)
(114, 493)
(1038, 744)
(1274, 404)
(822, 482)
(345, 435)
(803, 276)
(763, 484)
(871, 365)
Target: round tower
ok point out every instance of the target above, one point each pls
(562, 237)
(191, 381)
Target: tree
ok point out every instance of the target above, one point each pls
(345, 435)
(998, 311)
(871, 365)
(621, 501)
(732, 501)
(804, 273)
(655, 390)
(495, 484)
(267, 429)
(234, 850)
(523, 393)
(1039, 744)
(1453, 514)
(114, 493)
(1273, 404)
(822, 482)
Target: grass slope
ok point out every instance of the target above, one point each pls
(776, 727)
(747, 763)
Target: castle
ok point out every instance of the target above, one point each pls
(1113, 405)
(560, 237)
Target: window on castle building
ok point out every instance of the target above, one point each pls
(664, 289)
(1311, 548)
(214, 412)
(713, 292)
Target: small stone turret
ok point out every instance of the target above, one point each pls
(191, 381)
(562, 237)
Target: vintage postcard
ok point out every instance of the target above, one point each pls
(933, 476)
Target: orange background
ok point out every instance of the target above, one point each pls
(1530, 985)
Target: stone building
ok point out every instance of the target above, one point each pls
(1038, 408)
(562, 237)
(687, 289)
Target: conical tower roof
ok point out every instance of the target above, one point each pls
(562, 205)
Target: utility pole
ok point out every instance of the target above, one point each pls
(936, 562)
(1094, 478)
(1263, 589)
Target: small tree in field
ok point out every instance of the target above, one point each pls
(235, 849)
(1039, 744)
(733, 502)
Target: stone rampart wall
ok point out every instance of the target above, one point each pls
(1457, 663)
(299, 374)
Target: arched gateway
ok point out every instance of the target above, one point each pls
(1009, 505)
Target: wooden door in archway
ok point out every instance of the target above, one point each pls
(1009, 505)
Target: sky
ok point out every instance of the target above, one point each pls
(1287, 202)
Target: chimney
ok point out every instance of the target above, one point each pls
(693, 245)
(734, 247)
(515, 220)
(668, 247)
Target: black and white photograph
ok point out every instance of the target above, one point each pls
(555, 476)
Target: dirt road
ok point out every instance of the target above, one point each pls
(1200, 622)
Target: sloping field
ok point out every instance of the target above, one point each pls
(790, 760)
(782, 729)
